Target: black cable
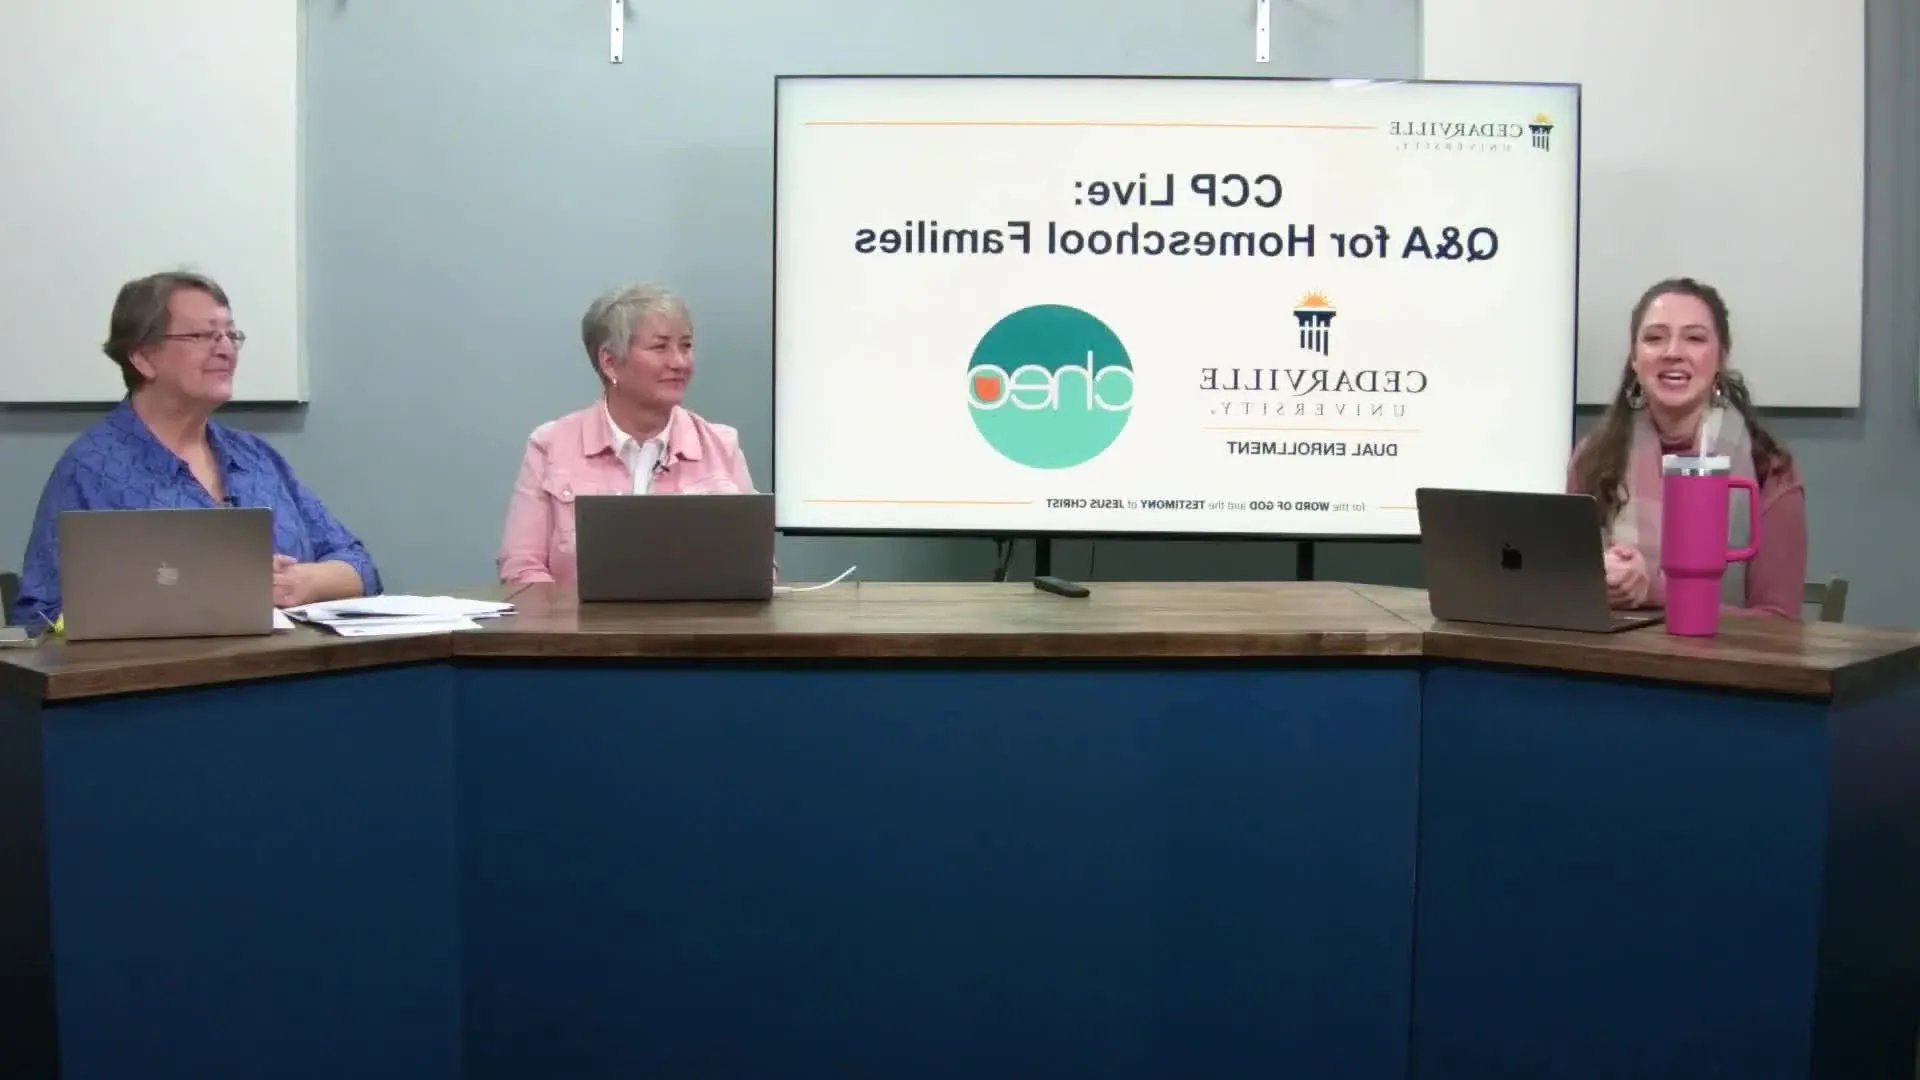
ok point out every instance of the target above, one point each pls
(1002, 559)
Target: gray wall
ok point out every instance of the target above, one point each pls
(477, 170)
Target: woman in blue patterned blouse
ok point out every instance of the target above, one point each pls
(173, 337)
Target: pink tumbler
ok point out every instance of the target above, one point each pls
(1694, 493)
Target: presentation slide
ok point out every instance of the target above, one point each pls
(1178, 307)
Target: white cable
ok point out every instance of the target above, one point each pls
(783, 590)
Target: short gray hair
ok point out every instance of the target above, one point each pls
(143, 313)
(615, 314)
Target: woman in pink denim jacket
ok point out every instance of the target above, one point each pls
(637, 439)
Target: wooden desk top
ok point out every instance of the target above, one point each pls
(969, 621)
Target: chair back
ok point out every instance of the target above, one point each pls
(1830, 596)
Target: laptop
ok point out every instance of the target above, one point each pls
(673, 547)
(1518, 559)
(166, 573)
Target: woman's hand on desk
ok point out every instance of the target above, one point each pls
(1627, 580)
(293, 583)
(296, 583)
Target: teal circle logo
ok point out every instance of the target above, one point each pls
(1050, 387)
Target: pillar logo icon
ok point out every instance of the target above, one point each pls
(1314, 315)
(1050, 387)
(1541, 128)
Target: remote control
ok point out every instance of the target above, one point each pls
(1060, 587)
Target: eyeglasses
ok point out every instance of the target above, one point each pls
(210, 337)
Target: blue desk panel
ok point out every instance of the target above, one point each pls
(256, 880)
(1007, 871)
(1637, 880)
(930, 873)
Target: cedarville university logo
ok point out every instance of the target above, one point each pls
(1541, 128)
(1315, 315)
(1457, 134)
(1050, 387)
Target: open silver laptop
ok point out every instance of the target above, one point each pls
(166, 573)
(1518, 559)
(674, 547)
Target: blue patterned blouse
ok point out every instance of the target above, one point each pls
(117, 464)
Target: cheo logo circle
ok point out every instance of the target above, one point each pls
(1050, 387)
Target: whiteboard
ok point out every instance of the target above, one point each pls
(1721, 139)
(142, 136)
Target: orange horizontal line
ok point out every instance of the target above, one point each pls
(922, 502)
(1327, 430)
(1085, 123)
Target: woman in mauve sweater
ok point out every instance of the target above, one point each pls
(1675, 383)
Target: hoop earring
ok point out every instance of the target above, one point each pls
(1636, 396)
(1719, 392)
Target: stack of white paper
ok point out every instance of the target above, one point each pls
(395, 615)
